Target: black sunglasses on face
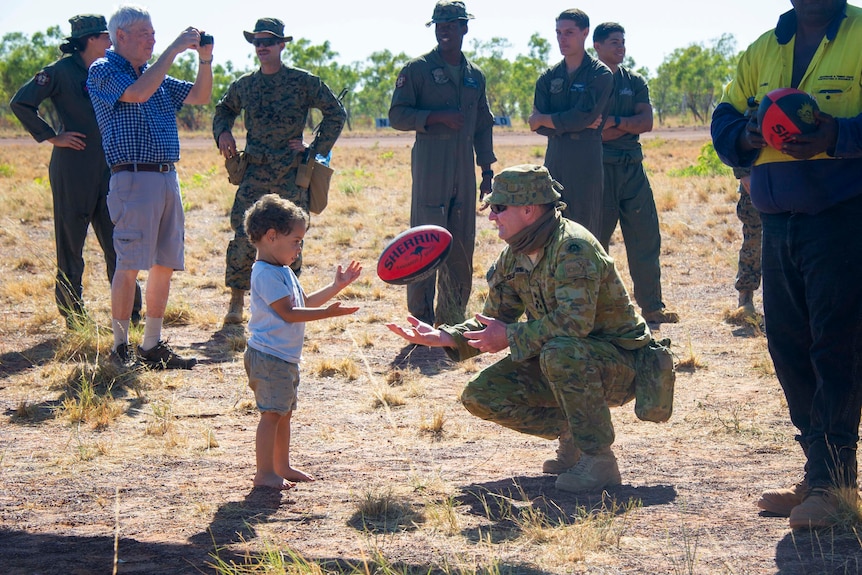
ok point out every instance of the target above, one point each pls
(497, 208)
(264, 42)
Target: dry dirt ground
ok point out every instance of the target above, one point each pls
(170, 476)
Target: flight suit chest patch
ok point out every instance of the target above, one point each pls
(556, 85)
(439, 76)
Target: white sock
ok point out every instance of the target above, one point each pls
(120, 327)
(152, 332)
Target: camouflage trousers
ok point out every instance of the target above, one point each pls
(259, 180)
(748, 269)
(573, 380)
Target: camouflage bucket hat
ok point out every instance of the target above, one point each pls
(87, 24)
(449, 10)
(524, 185)
(272, 26)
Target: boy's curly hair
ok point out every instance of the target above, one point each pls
(272, 212)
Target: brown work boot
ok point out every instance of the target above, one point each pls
(234, 311)
(746, 302)
(567, 455)
(818, 509)
(781, 501)
(592, 472)
(661, 315)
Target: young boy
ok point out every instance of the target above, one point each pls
(279, 310)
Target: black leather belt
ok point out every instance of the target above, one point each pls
(167, 167)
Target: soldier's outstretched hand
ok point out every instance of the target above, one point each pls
(421, 333)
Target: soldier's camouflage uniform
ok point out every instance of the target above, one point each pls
(572, 334)
(748, 268)
(275, 108)
(444, 172)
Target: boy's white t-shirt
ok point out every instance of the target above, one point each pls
(269, 332)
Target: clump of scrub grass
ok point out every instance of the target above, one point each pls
(160, 421)
(434, 426)
(387, 398)
(442, 516)
(89, 397)
(692, 360)
(344, 367)
(383, 512)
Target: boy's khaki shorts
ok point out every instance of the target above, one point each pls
(273, 380)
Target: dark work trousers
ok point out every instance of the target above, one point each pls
(79, 185)
(628, 198)
(812, 300)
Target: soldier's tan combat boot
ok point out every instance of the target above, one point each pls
(234, 310)
(746, 302)
(567, 455)
(592, 472)
(781, 501)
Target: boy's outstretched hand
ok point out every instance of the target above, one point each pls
(345, 277)
(335, 309)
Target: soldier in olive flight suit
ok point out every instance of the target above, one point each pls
(275, 100)
(78, 171)
(572, 356)
(570, 108)
(441, 96)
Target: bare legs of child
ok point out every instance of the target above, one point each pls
(272, 447)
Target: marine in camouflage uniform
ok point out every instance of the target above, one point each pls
(570, 99)
(445, 104)
(78, 171)
(748, 268)
(275, 104)
(570, 326)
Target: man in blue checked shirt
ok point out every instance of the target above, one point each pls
(136, 107)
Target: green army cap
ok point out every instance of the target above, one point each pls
(524, 185)
(449, 10)
(86, 24)
(271, 26)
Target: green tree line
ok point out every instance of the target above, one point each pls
(687, 83)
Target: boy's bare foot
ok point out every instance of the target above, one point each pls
(273, 481)
(292, 474)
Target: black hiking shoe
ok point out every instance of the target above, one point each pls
(163, 357)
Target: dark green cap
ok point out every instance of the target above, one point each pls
(86, 24)
(271, 26)
(524, 185)
(449, 10)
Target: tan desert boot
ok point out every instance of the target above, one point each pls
(234, 311)
(567, 455)
(592, 472)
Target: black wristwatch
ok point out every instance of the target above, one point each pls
(616, 122)
(488, 173)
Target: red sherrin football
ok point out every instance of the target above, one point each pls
(413, 254)
(784, 113)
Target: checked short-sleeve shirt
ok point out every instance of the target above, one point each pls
(131, 132)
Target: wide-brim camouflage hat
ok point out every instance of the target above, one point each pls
(272, 26)
(449, 10)
(524, 185)
(85, 25)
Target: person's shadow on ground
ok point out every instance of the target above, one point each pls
(511, 504)
(822, 551)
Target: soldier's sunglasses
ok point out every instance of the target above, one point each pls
(265, 42)
(497, 208)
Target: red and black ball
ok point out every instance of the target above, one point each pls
(785, 113)
(414, 254)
